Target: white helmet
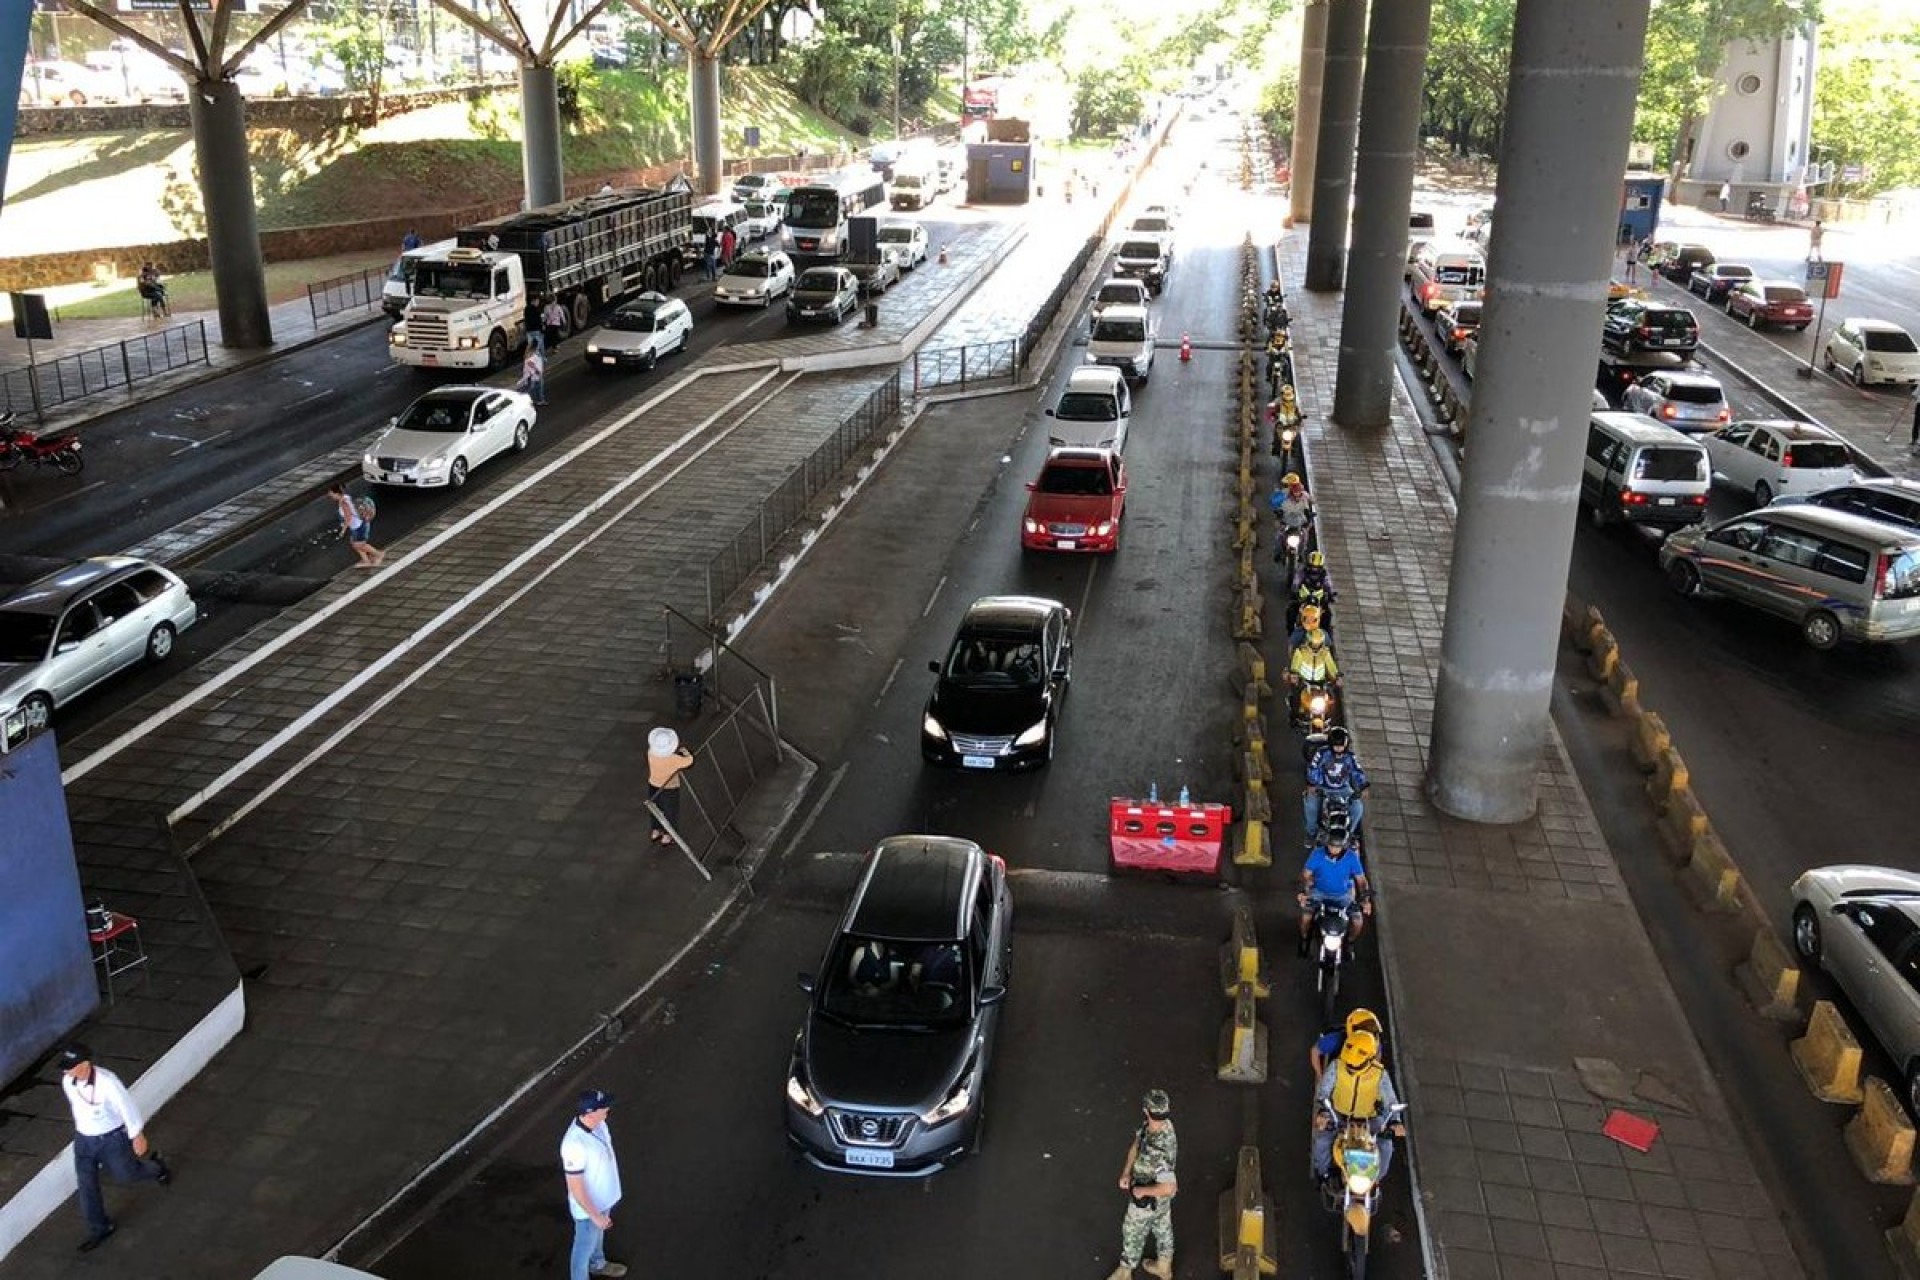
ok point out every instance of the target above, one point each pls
(663, 742)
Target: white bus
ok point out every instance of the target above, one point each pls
(817, 212)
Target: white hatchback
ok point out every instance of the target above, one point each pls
(1873, 351)
(755, 280)
(446, 433)
(906, 240)
(1776, 456)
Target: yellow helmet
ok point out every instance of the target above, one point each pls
(1290, 479)
(1361, 1048)
(1364, 1020)
(1309, 617)
(1316, 638)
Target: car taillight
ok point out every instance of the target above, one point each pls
(1698, 499)
(1724, 416)
(1786, 459)
(1459, 334)
(1645, 331)
(1882, 569)
(1668, 411)
(1628, 498)
(1428, 291)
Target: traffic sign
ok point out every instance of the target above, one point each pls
(1825, 277)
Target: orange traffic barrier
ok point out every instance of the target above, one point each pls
(1165, 837)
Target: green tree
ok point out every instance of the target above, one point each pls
(1106, 101)
(355, 38)
(1465, 91)
(1883, 142)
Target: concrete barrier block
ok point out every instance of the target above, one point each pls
(1621, 693)
(1243, 1043)
(1596, 626)
(1903, 1242)
(1249, 1228)
(1650, 738)
(1253, 666)
(1241, 960)
(1828, 1056)
(1603, 654)
(1710, 868)
(1246, 616)
(1251, 847)
(1257, 805)
(1880, 1136)
(1670, 775)
(1771, 977)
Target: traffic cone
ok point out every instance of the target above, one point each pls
(943, 255)
(1186, 348)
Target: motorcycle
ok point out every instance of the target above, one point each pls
(1290, 550)
(1329, 955)
(1336, 808)
(60, 452)
(1314, 702)
(1352, 1189)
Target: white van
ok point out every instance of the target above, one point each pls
(716, 216)
(1450, 272)
(1122, 338)
(1641, 471)
(399, 286)
(1093, 411)
(916, 180)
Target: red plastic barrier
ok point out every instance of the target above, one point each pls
(1185, 838)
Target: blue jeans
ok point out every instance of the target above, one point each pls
(1356, 807)
(114, 1153)
(589, 1250)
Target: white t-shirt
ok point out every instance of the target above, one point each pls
(589, 1152)
(102, 1104)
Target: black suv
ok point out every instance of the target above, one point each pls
(1636, 325)
(888, 1069)
(997, 702)
(1686, 259)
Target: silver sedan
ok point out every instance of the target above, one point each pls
(1861, 924)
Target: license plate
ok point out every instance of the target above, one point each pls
(1666, 502)
(976, 762)
(1063, 544)
(862, 1157)
(605, 359)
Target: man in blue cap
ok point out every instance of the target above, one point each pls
(109, 1133)
(593, 1185)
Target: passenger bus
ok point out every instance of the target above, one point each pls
(817, 212)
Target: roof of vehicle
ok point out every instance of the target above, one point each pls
(1141, 244)
(1454, 248)
(901, 224)
(1727, 268)
(917, 889)
(464, 395)
(1880, 326)
(756, 255)
(56, 590)
(1758, 283)
(1639, 427)
(1094, 377)
(1009, 613)
(1646, 305)
(1080, 457)
(1686, 378)
(1124, 311)
(1788, 429)
(648, 303)
(1819, 519)
(820, 276)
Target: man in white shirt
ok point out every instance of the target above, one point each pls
(109, 1133)
(593, 1185)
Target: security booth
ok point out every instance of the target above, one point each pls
(1000, 170)
(1640, 195)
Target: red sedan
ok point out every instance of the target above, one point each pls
(1774, 302)
(1077, 502)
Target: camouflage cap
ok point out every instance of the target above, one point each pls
(1157, 1103)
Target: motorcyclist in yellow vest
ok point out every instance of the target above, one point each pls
(1356, 1088)
(1312, 661)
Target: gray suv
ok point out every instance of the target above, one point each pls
(889, 1066)
(68, 631)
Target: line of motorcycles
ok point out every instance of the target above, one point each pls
(1352, 1189)
(17, 445)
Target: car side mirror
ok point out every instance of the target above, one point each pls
(806, 983)
(934, 667)
(992, 994)
(1049, 413)
(66, 646)
(1032, 486)
(394, 421)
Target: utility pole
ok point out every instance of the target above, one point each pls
(896, 70)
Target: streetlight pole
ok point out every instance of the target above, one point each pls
(896, 70)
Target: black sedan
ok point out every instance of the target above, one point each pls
(823, 293)
(997, 702)
(1713, 280)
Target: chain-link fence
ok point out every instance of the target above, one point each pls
(784, 507)
(119, 364)
(346, 293)
(964, 366)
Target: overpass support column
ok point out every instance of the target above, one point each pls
(1383, 196)
(218, 116)
(1575, 73)
(704, 79)
(1306, 108)
(540, 158)
(1333, 153)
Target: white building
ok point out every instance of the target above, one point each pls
(1754, 136)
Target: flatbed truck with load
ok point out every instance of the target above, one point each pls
(470, 303)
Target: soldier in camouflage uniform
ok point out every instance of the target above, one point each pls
(1147, 1178)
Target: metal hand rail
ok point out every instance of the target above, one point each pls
(118, 364)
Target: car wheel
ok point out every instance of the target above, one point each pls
(160, 643)
(1753, 320)
(1683, 577)
(497, 350)
(38, 709)
(1859, 375)
(1821, 629)
(1762, 494)
(1806, 933)
(1595, 516)
(1826, 360)
(653, 358)
(521, 434)
(1729, 305)
(457, 473)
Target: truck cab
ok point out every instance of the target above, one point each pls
(468, 311)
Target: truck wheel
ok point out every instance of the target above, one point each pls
(579, 312)
(497, 351)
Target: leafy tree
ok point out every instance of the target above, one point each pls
(1884, 141)
(1107, 101)
(355, 37)
(1686, 44)
(1278, 102)
(1465, 93)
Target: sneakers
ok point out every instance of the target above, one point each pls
(95, 1241)
(612, 1270)
(165, 1176)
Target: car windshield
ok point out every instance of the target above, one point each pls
(1670, 464)
(902, 986)
(1087, 406)
(821, 279)
(1695, 393)
(401, 270)
(24, 637)
(1733, 271)
(1140, 249)
(1118, 293)
(813, 209)
(896, 235)
(632, 321)
(1818, 455)
(439, 280)
(1150, 224)
(984, 660)
(1092, 482)
(435, 415)
(1109, 329)
(1785, 293)
(750, 268)
(1892, 341)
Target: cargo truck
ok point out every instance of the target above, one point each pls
(470, 303)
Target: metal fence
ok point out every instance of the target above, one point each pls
(1051, 307)
(346, 293)
(119, 364)
(965, 366)
(728, 762)
(784, 507)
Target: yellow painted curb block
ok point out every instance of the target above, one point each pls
(1250, 847)
(1829, 1057)
(1243, 1043)
(1249, 1228)
(1650, 738)
(1240, 959)
(1903, 1242)
(1771, 977)
(1670, 775)
(1880, 1137)
(1711, 868)
(1684, 820)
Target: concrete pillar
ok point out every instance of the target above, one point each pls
(1306, 107)
(1383, 196)
(218, 116)
(1570, 97)
(1333, 153)
(704, 78)
(540, 157)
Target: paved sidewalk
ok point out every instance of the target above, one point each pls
(1527, 1001)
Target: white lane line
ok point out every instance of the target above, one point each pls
(318, 395)
(321, 617)
(246, 764)
(937, 588)
(819, 806)
(1086, 593)
(882, 697)
(195, 444)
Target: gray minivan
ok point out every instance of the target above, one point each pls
(1640, 471)
(1837, 575)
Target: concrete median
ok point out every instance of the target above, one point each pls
(1771, 977)
(1670, 775)
(1241, 960)
(1903, 1242)
(1249, 1230)
(1710, 867)
(1651, 737)
(1684, 821)
(1243, 1042)
(1828, 1056)
(1880, 1136)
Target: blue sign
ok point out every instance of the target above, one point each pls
(753, 135)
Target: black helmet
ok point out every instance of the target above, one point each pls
(1339, 737)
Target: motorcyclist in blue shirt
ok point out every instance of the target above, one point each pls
(1334, 770)
(1334, 874)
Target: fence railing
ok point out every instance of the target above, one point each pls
(1051, 307)
(727, 764)
(346, 293)
(80, 374)
(964, 366)
(783, 508)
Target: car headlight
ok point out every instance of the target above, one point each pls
(466, 342)
(593, 348)
(956, 1103)
(932, 728)
(1032, 736)
(433, 464)
(1102, 529)
(1033, 526)
(801, 1096)
(397, 336)
(1359, 1183)
(829, 240)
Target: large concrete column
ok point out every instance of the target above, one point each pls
(1333, 158)
(704, 79)
(1383, 196)
(1570, 97)
(1306, 107)
(218, 116)
(540, 157)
